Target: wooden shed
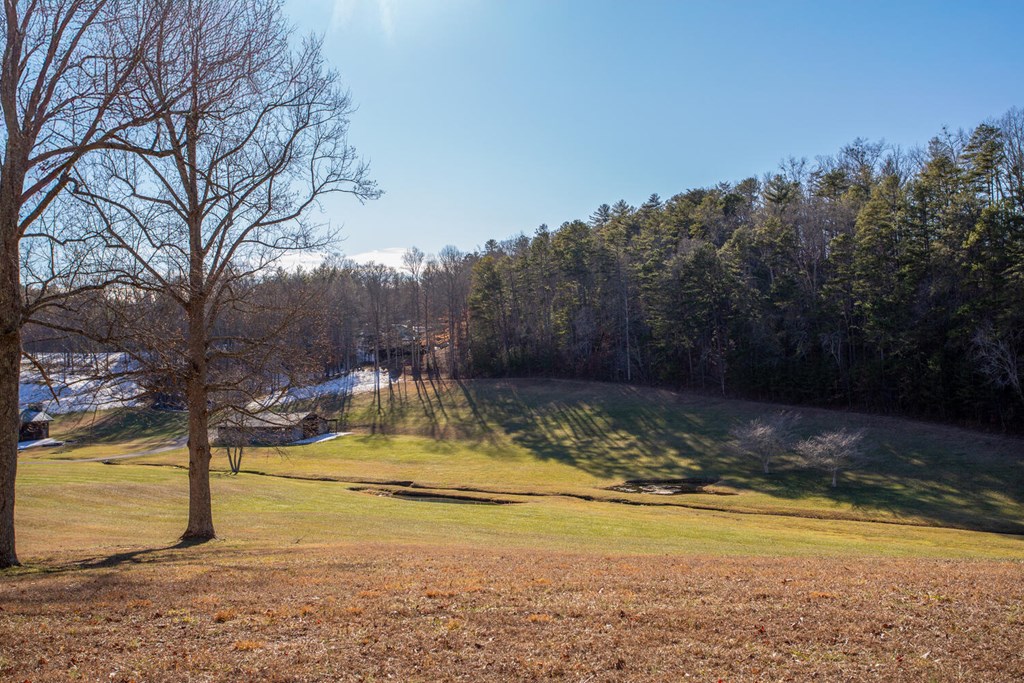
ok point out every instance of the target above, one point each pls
(273, 429)
(35, 425)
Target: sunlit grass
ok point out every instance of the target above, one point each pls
(553, 437)
(90, 505)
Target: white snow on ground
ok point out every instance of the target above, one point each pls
(77, 390)
(319, 438)
(353, 383)
(22, 445)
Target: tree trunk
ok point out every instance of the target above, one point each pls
(10, 363)
(835, 477)
(10, 367)
(200, 509)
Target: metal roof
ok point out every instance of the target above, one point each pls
(31, 415)
(268, 419)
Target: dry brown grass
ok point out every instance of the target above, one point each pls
(350, 613)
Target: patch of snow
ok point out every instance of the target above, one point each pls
(22, 445)
(318, 439)
(353, 383)
(77, 389)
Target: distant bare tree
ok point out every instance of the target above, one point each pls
(833, 451)
(259, 138)
(429, 285)
(377, 280)
(67, 88)
(766, 438)
(998, 360)
(412, 262)
(453, 268)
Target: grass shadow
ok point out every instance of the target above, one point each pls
(930, 474)
(140, 556)
(143, 424)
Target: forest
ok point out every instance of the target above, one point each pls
(875, 279)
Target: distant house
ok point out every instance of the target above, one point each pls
(272, 429)
(35, 425)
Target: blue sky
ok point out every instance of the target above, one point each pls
(486, 118)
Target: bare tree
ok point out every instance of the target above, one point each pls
(377, 280)
(998, 360)
(454, 269)
(258, 139)
(766, 438)
(833, 451)
(66, 89)
(412, 262)
(429, 284)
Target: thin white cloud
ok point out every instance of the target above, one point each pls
(307, 260)
(391, 256)
(387, 17)
(343, 12)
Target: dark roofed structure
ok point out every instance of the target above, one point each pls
(273, 429)
(35, 424)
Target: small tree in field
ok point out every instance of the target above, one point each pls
(833, 451)
(765, 438)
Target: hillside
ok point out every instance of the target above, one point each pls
(530, 437)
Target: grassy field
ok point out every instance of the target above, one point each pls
(327, 569)
(580, 438)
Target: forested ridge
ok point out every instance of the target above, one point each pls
(875, 279)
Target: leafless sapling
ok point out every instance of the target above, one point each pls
(833, 451)
(765, 438)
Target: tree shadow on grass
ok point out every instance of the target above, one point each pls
(608, 434)
(616, 431)
(144, 424)
(140, 556)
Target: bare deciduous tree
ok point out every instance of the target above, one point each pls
(833, 451)
(66, 89)
(412, 262)
(998, 360)
(377, 280)
(454, 269)
(766, 438)
(259, 137)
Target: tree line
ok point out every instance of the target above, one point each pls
(873, 278)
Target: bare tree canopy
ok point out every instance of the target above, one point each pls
(833, 451)
(67, 88)
(202, 203)
(766, 438)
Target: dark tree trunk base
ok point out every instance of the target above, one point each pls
(197, 537)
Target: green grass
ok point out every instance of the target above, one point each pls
(556, 436)
(101, 507)
(548, 438)
(113, 432)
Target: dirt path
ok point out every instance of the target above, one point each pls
(175, 444)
